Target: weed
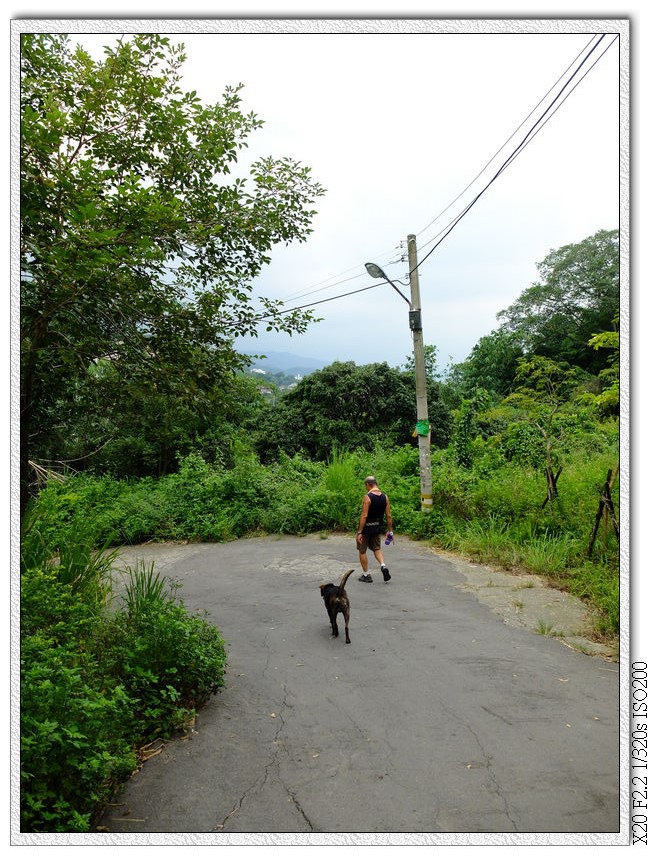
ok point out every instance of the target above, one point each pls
(547, 630)
(95, 684)
(146, 588)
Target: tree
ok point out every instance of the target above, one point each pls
(465, 426)
(138, 247)
(491, 365)
(578, 295)
(545, 388)
(349, 407)
(430, 363)
(607, 400)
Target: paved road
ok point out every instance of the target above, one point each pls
(438, 718)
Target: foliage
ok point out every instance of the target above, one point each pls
(491, 510)
(606, 400)
(347, 407)
(465, 428)
(545, 390)
(96, 683)
(74, 747)
(138, 248)
(492, 363)
(558, 317)
(73, 744)
(578, 296)
(168, 661)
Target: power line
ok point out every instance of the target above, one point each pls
(545, 117)
(530, 113)
(324, 300)
(444, 233)
(325, 287)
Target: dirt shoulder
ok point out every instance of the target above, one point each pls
(526, 601)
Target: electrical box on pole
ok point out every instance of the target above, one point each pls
(423, 426)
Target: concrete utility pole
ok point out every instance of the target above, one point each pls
(423, 426)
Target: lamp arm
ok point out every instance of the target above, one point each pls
(398, 291)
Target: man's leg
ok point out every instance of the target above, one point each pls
(384, 570)
(363, 561)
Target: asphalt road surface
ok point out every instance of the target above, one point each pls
(438, 718)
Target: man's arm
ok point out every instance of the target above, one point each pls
(389, 517)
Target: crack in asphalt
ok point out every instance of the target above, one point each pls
(492, 776)
(293, 796)
(487, 760)
(272, 766)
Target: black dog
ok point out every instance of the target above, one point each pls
(336, 601)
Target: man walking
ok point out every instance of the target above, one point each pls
(374, 507)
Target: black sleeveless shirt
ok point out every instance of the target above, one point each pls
(376, 511)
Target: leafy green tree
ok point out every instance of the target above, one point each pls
(465, 427)
(607, 399)
(545, 389)
(430, 363)
(491, 365)
(147, 432)
(347, 407)
(578, 295)
(138, 245)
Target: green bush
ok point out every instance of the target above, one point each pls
(168, 661)
(74, 746)
(96, 684)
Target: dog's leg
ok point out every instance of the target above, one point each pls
(347, 633)
(335, 627)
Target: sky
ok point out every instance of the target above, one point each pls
(395, 127)
(404, 129)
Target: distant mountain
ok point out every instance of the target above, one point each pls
(284, 361)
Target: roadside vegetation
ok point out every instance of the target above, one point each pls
(100, 682)
(139, 422)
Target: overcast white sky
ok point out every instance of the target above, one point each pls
(395, 125)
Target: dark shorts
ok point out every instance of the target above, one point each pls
(369, 542)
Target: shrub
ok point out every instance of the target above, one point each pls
(168, 661)
(96, 684)
(74, 745)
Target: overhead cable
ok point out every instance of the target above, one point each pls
(532, 132)
(491, 160)
(545, 117)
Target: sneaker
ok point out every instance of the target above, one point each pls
(386, 573)
(365, 578)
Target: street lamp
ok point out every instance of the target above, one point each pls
(423, 425)
(377, 273)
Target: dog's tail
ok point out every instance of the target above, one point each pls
(344, 580)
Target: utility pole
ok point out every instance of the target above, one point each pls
(423, 426)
